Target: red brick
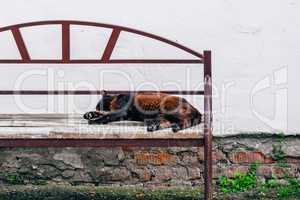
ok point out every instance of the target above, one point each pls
(159, 158)
(243, 157)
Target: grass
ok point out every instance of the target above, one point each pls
(291, 189)
(60, 192)
(95, 193)
(239, 182)
(269, 189)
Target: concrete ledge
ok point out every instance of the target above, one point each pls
(55, 126)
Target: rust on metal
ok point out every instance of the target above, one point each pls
(100, 142)
(92, 92)
(65, 42)
(122, 28)
(207, 125)
(115, 61)
(111, 44)
(20, 44)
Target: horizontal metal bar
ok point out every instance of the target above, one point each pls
(100, 142)
(118, 61)
(92, 92)
(156, 61)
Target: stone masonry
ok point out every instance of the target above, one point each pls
(277, 155)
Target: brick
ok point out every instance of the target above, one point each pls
(244, 157)
(159, 158)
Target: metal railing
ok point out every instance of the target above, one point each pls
(204, 59)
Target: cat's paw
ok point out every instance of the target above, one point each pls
(152, 127)
(101, 119)
(91, 115)
(175, 128)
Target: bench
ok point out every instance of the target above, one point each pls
(25, 130)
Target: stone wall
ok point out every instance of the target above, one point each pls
(277, 155)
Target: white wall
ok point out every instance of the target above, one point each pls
(255, 45)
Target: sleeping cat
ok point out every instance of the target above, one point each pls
(156, 110)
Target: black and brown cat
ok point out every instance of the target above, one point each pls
(156, 110)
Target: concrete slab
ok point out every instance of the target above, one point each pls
(56, 126)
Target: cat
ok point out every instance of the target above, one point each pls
(156, 110)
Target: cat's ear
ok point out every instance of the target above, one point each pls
(104, 103)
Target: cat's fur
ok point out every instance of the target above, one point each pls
(156, 110)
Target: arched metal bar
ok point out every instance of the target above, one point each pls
(65, 27)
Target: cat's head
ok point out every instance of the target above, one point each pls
(104, 104)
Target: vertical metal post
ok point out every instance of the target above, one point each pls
(207, 125)
(65, 42)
